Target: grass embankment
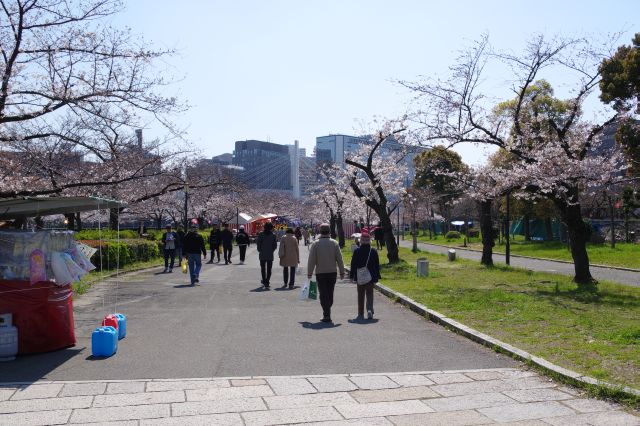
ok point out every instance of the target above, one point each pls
(594, 333)
(93, 277)
(626, 255)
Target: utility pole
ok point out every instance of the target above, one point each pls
(186, 200)
(398, 231)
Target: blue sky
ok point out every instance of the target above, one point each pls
(284, 70)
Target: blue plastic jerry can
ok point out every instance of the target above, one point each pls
(104, 341)
(122, 326)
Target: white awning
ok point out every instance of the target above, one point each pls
(14, 208)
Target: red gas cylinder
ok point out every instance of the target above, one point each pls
(110, 320)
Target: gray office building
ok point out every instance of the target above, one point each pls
(266, 165)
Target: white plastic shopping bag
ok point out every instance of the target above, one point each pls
(304, 293)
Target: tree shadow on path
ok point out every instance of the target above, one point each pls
(318, 325)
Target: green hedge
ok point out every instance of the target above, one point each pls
(452, 235)
(126, 250)
(105, 234)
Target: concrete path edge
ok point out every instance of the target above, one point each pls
(568, 376)
(546, 259)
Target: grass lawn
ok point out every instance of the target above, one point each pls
(90, 279)
(596, 334)
(624, 254)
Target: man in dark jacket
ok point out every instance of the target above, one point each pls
(193, 245)
(365, 255)
(243, 241)
(214, 242)
(266, 244)
(378, 234)
(180, 233)
(226, 236)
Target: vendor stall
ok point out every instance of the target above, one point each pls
(37, 269)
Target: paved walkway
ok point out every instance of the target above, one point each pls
(471, 397)
(227, 352)
(600, 273)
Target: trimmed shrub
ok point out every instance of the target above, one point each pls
(105, 234)
(122, 253)
(452, 235)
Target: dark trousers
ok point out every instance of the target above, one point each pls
(169, 253)
(326, 285)
(265, 270)
(243, 252)
(227, 253)
(365, 290)
(215, 249)
(289, 274)
(379, 244)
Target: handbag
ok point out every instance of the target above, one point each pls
(363, 276)
(313, 290)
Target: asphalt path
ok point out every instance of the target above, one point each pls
(228, 326)
(630, 278)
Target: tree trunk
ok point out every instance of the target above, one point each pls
(486, 227)
(71, 219)
(78, 222)
(389, 238)
(572, 216)
(414, 233)
(114, 218)
(612, 223)
(158, 221)
(340, 230)
(526, 227)
(332, 225)
(548, 229)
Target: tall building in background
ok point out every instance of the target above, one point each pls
(266, 165)
(334, 148)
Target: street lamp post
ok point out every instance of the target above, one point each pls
(507, 247)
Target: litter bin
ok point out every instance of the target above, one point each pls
(451, 255)
(422, 267)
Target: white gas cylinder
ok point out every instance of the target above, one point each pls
(8, 343)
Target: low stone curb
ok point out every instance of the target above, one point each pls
(546, 259)
(438, 318)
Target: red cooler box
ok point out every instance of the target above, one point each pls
(42, 313)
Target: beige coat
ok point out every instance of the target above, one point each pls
(289, 251)
(325, 257)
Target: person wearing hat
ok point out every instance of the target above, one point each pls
(325, 258)
(169, 243)
(365, 256)
(243, 241)
(192, 246)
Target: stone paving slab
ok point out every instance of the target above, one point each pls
(515, 397)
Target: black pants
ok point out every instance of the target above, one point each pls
(215, 249)
(365, 290)
(227, 253)
(265, 270)
(243, 252)
(289, 274)
(379, 244)
(169, 254)
(326, 285)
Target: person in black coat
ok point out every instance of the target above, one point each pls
(193, 245)
(378, 234)
(365, 255)
(214, 242)
(243, 241)
(226, 237)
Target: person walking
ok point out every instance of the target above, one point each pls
(378, 234)
(226, 237)
(193, 246)
(266, 244)
(289, 254)
(169, 242)
(180, 233)
(325, 258)
(365, 256)
(305, 236)
(243, 241)
(214, 242)
(298, 234)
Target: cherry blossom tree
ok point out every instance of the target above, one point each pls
(558, 151)
(70, 83)
(378, 178)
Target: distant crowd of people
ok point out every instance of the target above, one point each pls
(325, 259)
